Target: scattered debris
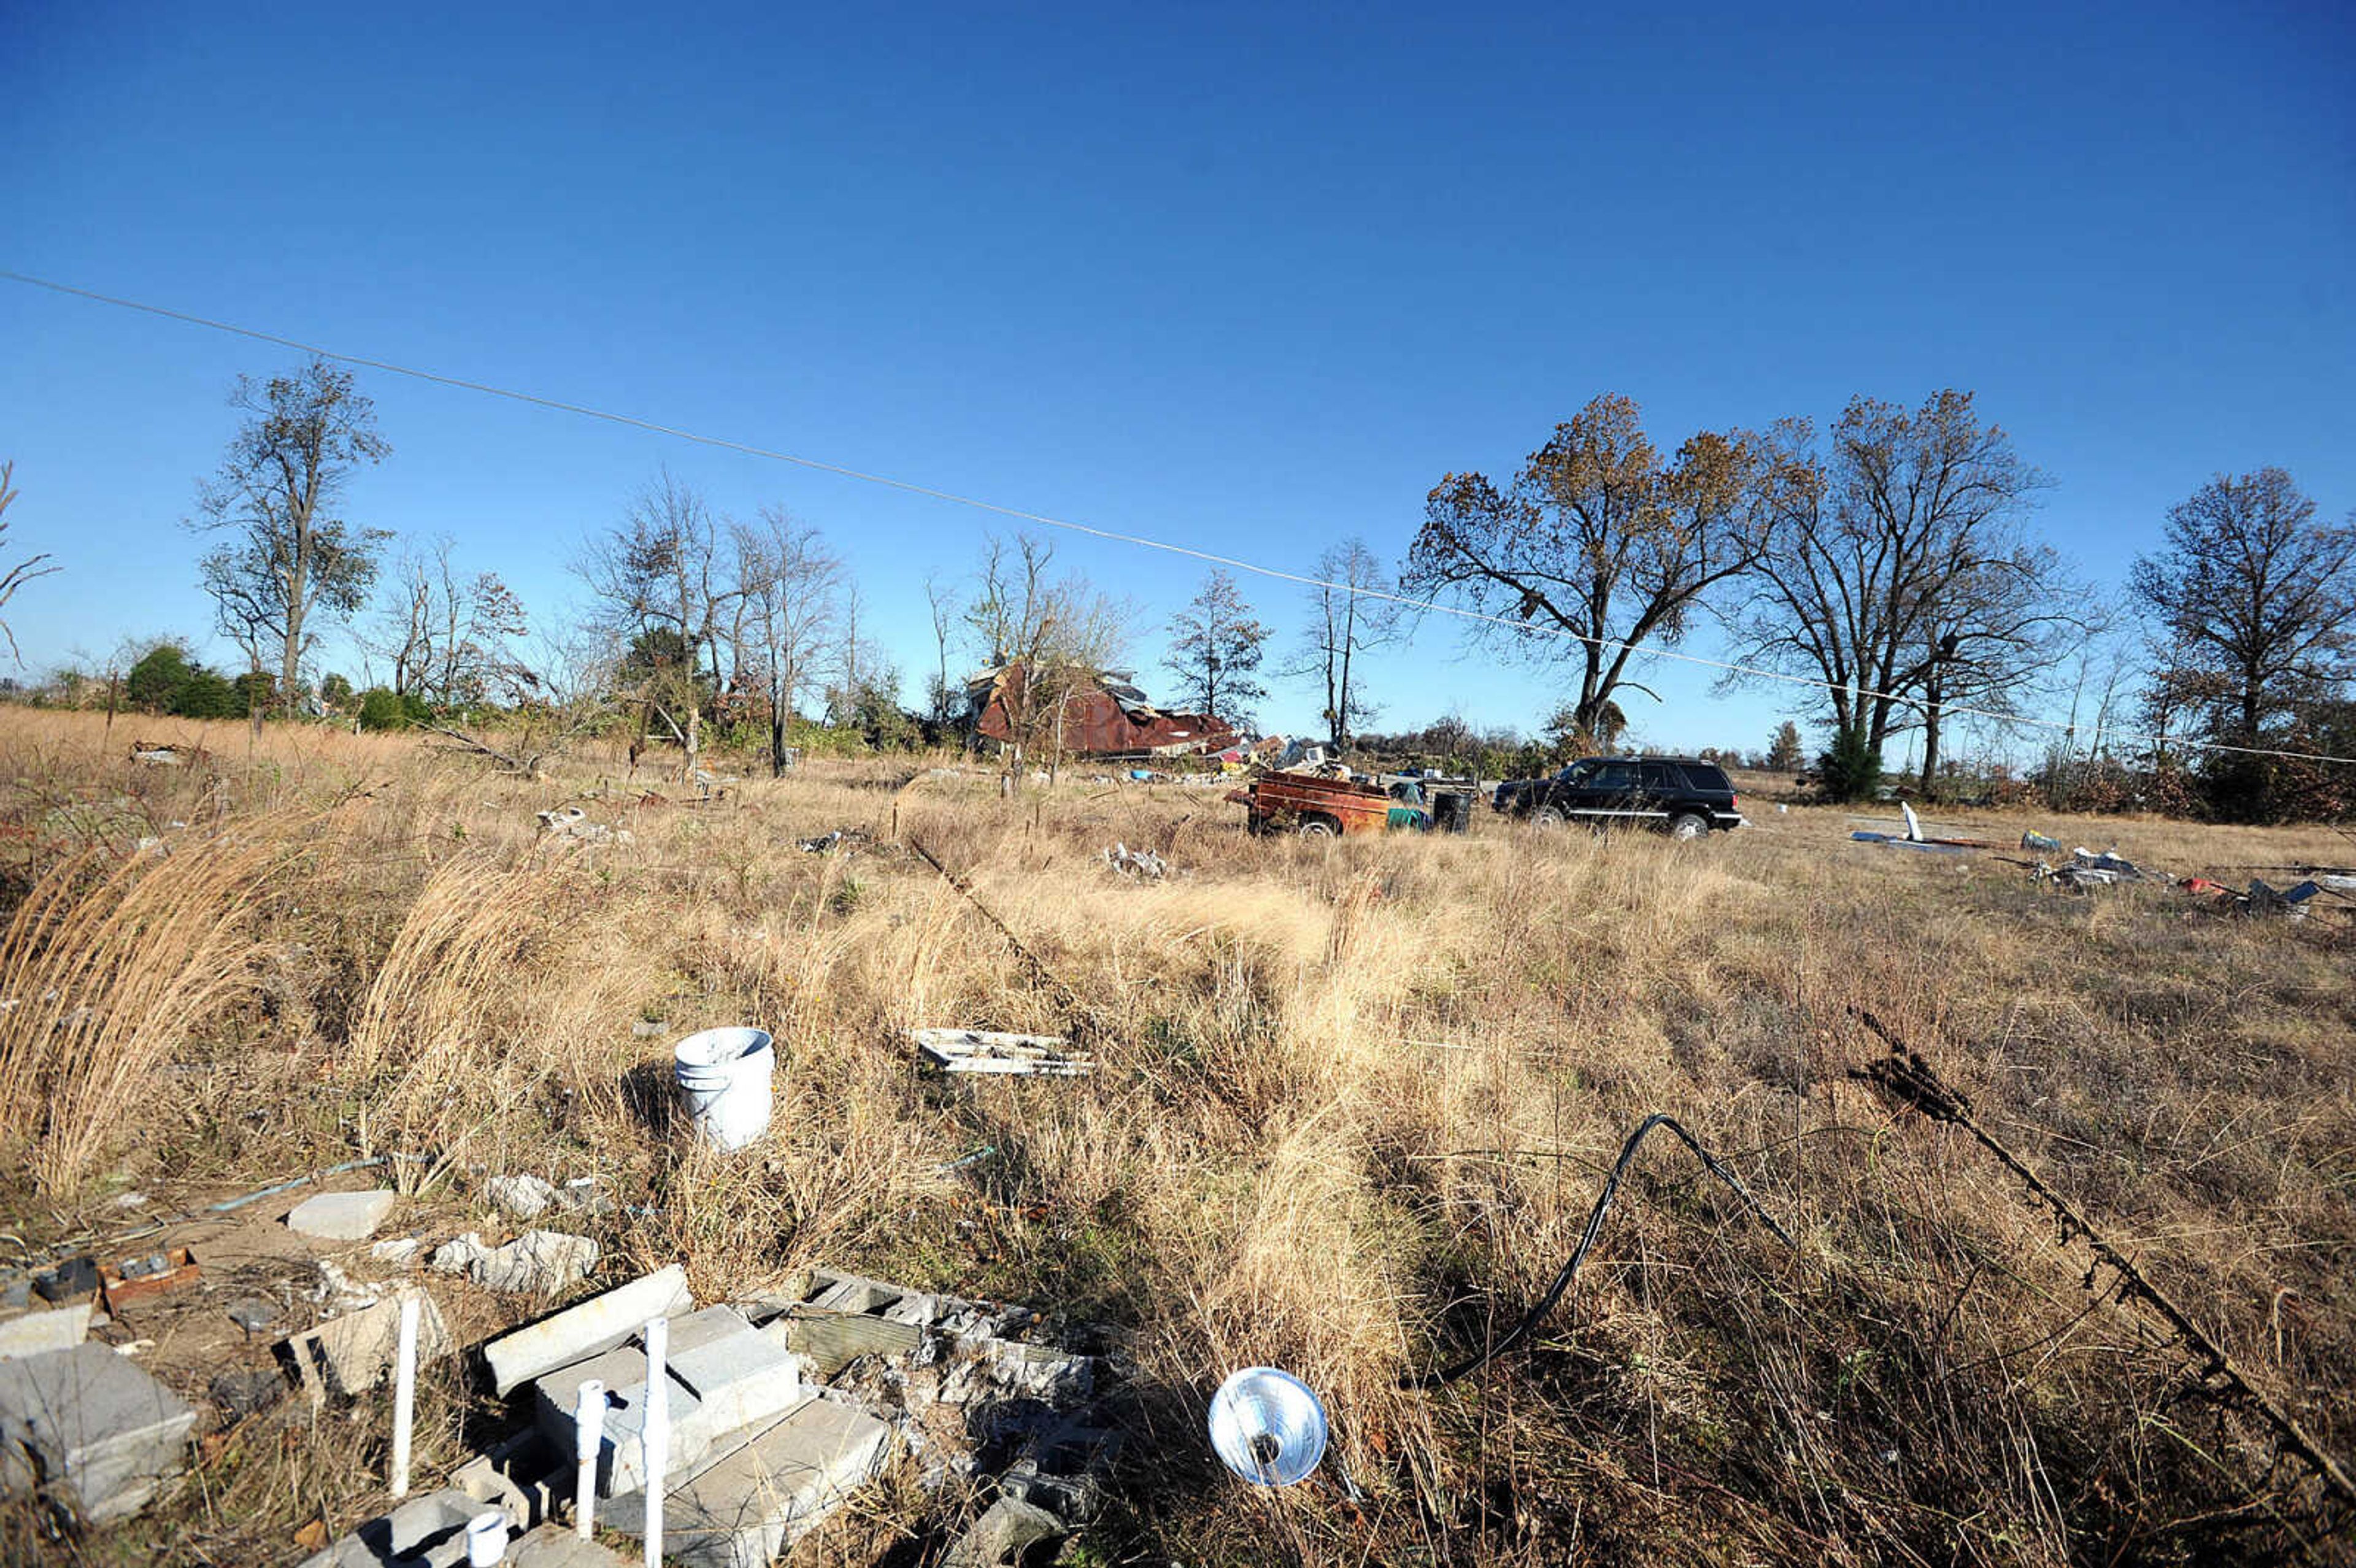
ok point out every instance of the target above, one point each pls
(983, 1051)
(239, 1396)
(649, 1029)
(1142, 863)
(401, 1252)
(90, 1424)
(827, 843)
(59, 1328)
(354, 1353)
(539, 1262)
(168, 756)
(339, 1291)
(2037, 843)
(76, 1278)
(341, 1216)
(1895, 842)
(572, 822)
(584, 1195)
(521, 1195)
(253, 1314)
(135, 1280)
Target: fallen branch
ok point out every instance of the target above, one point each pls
(1907, 1077)
(1083, 1018)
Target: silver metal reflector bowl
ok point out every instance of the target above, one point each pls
(1267, 1427)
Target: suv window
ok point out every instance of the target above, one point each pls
(1664, 776)
(1708, 776)
(1615, 777)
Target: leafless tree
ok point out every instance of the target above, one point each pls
(663, 594)
(789, 583)
(940, 696)
(1057, 634)
(1347, 621)
(1596, 538)
(15, 574)
(288, 556)
(450, 638)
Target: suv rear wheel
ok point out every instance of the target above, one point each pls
(1548, 816)
(1687, 825)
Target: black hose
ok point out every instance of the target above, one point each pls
(1537, 1314)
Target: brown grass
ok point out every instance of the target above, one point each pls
(1353, 1105)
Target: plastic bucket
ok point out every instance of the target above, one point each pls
(723, 1079)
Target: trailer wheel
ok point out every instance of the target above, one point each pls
(1318, 828)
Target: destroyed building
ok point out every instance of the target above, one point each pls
(1104, 716)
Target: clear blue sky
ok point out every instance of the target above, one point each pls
(1251, 277)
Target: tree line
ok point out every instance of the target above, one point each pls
(1886, 566)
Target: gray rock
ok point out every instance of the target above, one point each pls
(341, 1216)
(253, 1313)
(537, 1262)
(521, 1195)
(239, 1395)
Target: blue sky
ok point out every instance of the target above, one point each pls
(1253, 278)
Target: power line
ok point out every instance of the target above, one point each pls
(1113, 536)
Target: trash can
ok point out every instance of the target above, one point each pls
(1451, 810)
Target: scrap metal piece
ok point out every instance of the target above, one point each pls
(985, 1050)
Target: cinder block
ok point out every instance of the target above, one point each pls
(90, 1423)
(423, 1532)
(739, 1377)
(621, 1456)
(598, 1323)
(59, 1329)
(742, 1508)
(341, 1216)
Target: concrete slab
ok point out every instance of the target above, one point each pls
(743, 1508)
(59, 1329)
(598, 1323)
(90, 1423)
(354, 1353)
(341, 1216)
(1006, 1530)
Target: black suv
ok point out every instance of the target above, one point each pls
(1678, 795)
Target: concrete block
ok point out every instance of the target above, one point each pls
(521, 1477)
(739, 1377)
(423, 1532)
(833, 1339)
(746, 1504)
(598, 1323)
(353, 1354)
(59, 1329)
(341, 1216)
(621, 1456)
(90, 1422)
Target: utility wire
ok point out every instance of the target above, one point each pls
(1538, 1314)
(1524, 628)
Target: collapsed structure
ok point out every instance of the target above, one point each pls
(1100, 715)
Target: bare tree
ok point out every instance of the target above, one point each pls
(2258, 600)
(1894, 571)
(16, 575)
(1346, 620)
(789, 583)
(940, 697)
(450, 638)
(1596, 538)
(288, 555)
(661, 594)
(1214, 652)
(1049, 637)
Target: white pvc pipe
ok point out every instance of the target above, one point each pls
(589, 1435)
(404, 1393)
(486, 1540)
(657, 1435)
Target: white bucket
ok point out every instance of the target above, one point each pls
(723, 1077)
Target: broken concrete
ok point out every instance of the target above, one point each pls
(59, 1329)
(746, 1502)
(354, 1353)
(740, 1378)
(521, 1195)
(341, 1216)
(621, 1456)
(88, 1423)
(1007, 1528)
(239, 1395)
(598, 1323)
(539, 1262)
(832, 1340)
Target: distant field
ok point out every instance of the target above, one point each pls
(1356, 1101)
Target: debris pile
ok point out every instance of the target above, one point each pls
(572, 822)
(986, 1051)
(1140, 863)
(841, 838)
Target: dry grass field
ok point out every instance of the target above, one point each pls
(1356, 1101)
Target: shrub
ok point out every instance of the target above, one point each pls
(1850, 768)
